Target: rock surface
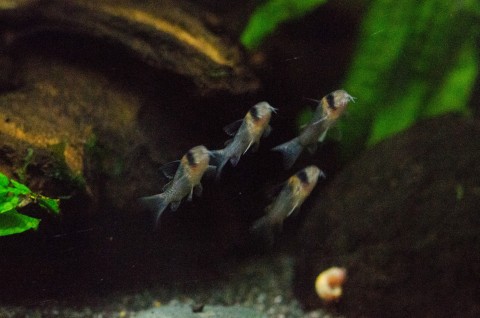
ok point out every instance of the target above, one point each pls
(404, 220)
(258, 285)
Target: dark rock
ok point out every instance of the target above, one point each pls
(404, 220)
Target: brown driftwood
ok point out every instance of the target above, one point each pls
(160, 34)
(87, 128)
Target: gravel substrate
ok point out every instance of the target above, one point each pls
(259, 284)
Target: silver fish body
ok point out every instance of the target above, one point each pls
(185, 181)
(246, 133)
(295, 191)
(328, 111)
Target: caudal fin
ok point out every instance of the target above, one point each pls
(265, 229)
(218, 159)
(290, 151)
(156, 203)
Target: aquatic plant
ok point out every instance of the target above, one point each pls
(268, 16)
(413, 60)
(15, 195)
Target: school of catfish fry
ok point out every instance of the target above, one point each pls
(185, 174)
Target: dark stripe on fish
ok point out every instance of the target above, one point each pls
(254, 112)
(191, 158)
(302, 175)
(331, 101)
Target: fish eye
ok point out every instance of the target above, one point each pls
(191, 158)
(254, 112)
(302, 175)
(331, 101)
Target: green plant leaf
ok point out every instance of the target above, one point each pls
(16, 196)
(3, 180)
(13, 223)
(415, 59)
(268, 16)
(5, 191)
(11, 191)
(51, 205)
(399, 115)
(6, 206)
(458, 85)
(22, 189)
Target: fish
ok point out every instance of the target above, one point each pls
(185, 175)
(291, 197)
(246, 134)
(330, 108)
(328, 284)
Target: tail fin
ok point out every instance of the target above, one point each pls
(217, 158)
(156, 203)
(290, 151)
(265, 229)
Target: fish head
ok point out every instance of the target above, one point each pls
(261, 111)
(258, 117)
(309, 174)
(197, 158)
(306, 179)
(335, 103)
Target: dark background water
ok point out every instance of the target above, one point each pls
(95, 247)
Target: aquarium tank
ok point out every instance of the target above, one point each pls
(266, 158)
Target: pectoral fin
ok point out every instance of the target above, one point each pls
(255, 146)
(293, 210)
(210, 172)
(323, 135)
(248, 147)
(234, 160)
(267, 131)
(198, 190)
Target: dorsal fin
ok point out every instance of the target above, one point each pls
(231, 129)
(169, 169)
(167, 185)
(312, 99)
(228, 142)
